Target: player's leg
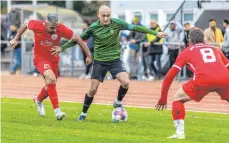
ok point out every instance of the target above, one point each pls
(51, 79)
(43, 93)
(224, 93)
(98, 73)
(89, 98)
(124, 80)
(118, 71)
(38, 100)
(178, 113)
(189, 91)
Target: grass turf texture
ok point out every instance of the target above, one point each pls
(21, 124)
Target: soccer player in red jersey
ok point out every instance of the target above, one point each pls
(47, 35)
(211, 74)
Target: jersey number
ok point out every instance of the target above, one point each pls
(208, 55)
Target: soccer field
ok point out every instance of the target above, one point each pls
(21, 124)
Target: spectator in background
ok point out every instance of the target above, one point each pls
(90, 44)
(17, 50)
(3, 34)
(13, 19)
(154, 45)
(33, 71)
(226, 39)
(173, 42)
(125, 50)
(213, 35)
(135, 39)
(225, 25)
(187, 28)
(3, 45)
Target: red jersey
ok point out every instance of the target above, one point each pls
(44, 41)
(209, 65)
(206, 62)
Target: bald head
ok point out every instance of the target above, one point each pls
(104, 8)
(104, 15)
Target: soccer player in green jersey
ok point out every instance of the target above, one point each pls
(107, 51)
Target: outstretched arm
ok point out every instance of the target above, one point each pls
(81, 43)
(76, 40)
(167, 83)
(162, 102)
(85, 35)
(143, 29)
(125, 26)
(180, 62)
(68, 44)
(21, 30)
(73, 40)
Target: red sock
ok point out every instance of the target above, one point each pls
(53, 95)
(178, 110)
(43, 94)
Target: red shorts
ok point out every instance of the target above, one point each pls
(43, 65)
(196, 92)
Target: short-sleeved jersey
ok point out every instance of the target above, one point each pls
(44, 41)
(207, 63)
(106, 39)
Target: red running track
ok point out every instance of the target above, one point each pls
(140, 94)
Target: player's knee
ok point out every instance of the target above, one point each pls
(50, 78)
(125, 84)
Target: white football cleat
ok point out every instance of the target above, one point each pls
(40, 107)
(177, 136)
(59, 114)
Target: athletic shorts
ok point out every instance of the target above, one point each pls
(196, 92)
(43, 65)
(100, 69)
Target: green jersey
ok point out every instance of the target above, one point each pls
(106, 39)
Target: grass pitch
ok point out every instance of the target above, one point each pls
(21, 124)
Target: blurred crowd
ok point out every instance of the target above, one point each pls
(142, 54)
(146, 50)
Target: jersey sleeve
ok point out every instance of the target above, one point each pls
(131, 27)
(67, 33)
(178, 65)
(181, 60)
(87, 33)
(32, 24)
(166, 85)
(124, 25)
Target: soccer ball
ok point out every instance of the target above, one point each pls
(119, 115)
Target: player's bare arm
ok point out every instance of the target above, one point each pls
(84, 48)
(76, 40)
(15, 40)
